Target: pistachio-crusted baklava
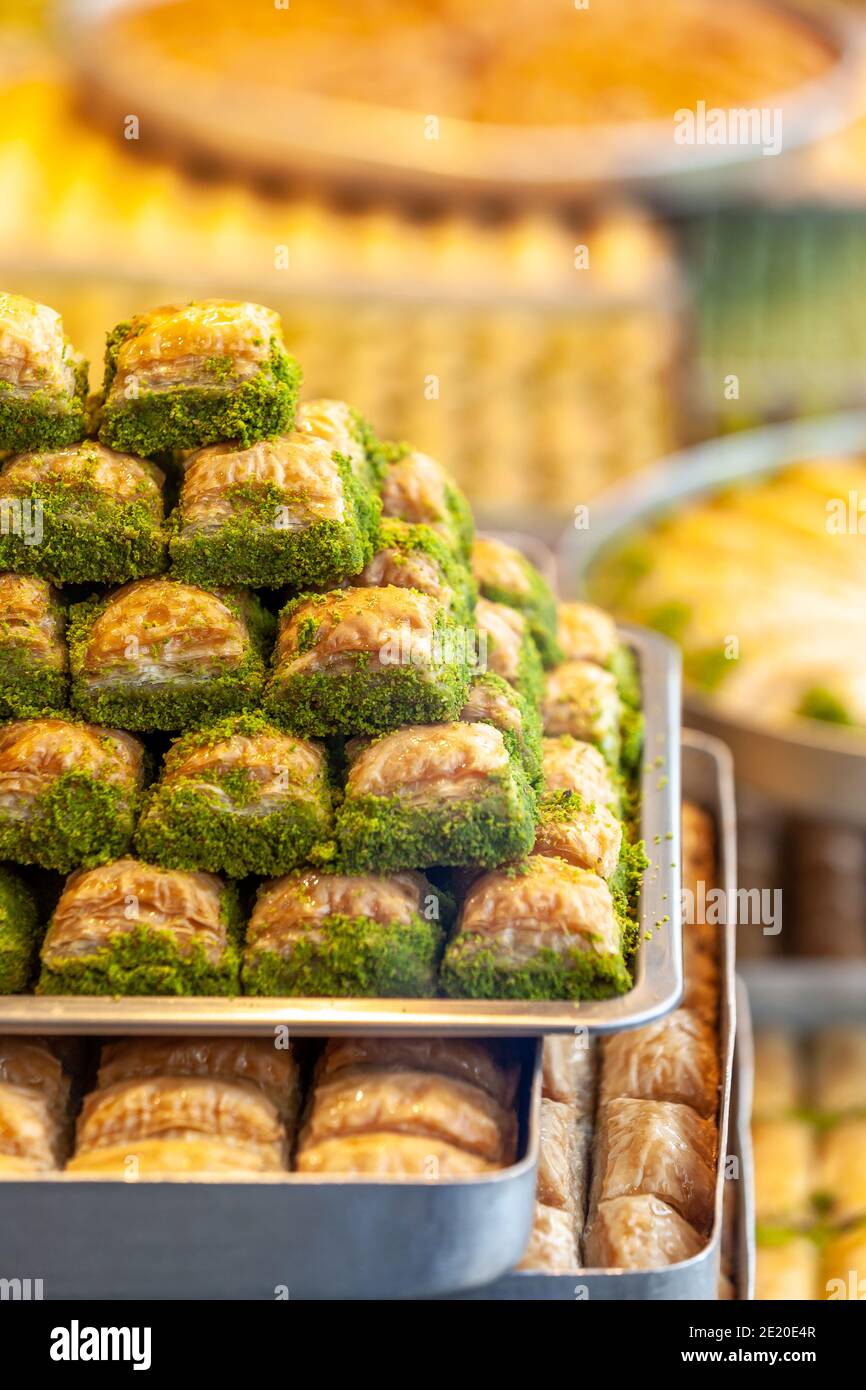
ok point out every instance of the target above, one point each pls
(132, 928)
(582, 699)
(283, 511)
(184, 375)
(316, 933)
(346, 433)
(418, 489)
(414, 556)
(586, 633)
(506, 648)
(361, 660)
(34, 662)
(158, 654)
(493, 701)
(504, 575)
(69, 792)
(43, 381)
(18, 933)
(240, 797)
(94, 516)
(446, 794)
(580, 832)
(540, 929)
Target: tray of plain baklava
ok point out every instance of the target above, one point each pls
(282, 739)
(644, 1189)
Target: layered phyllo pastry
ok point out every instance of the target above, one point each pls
(362, 660)
(656, 1149)
(155, 1125)
(582, 699)
(493, 701)
(259, 1062)
(506, 648)
(570, 765)
(563, 1160)
(777, 1088)
(43, 381)
(569, 1072)
(240, 797)
(317, 933)
(34, 662)
(672, 1059)
(840, 1177)
(435, 794)
(69, 792)
(586, 633)
(788, 1269)
(504, 575)
(283, 511)
(416, 557)
(132, 928)
(346, 433)
(378, 1118)
(185, 375)
(785, 1165)
(31, 1137)
(489, 1065)
(698, 846)
(578, 831)
(31, 1065)
(19, 931)
(88, 515)
(416, 488)
(157, 654)
(542, 929)
(639, 1232)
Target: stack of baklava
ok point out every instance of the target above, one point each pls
(35, 1114)
(809, 1138)
(354, 685)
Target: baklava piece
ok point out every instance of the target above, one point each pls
(777, 1086)
(674, 1058)
(436, 794)
(843, 1266)
(562, 1160)
(504, 575)
(185, 375)
(31, 1065)
(43, 382)
(541, 929)
(641, 1232)
(346, 433)
(19, 928)
(34, 663)
(325, 934)
(785, 1165)
(698, 847)
(417, 489)
(31, 1140)
(130, 928)
(284, 511)
(366, 660)
(238, 798)
(839, 1070)
(840, 1179)
(69, 792)
(416, 557)
(552, 1247)
(586, 633)
(157, 654)
(569, 1071)
(570, 765)
(489, 1065)
(505, 647)
(787, 1268)
(179, 1124)
(582, 699)
(493, 701)
(656, 1149)
(580, 832)
(92, 516)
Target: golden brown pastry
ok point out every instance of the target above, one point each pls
(485, 1064)
(784, 1151)
(569, 1071)
(840, 1179)
(586, 633)
(788, 1271)
(656, 1149)
(573, 766)
(673, 1059)
(777, 1085)
(258, 1061)
(639, 1232)
(552, 1247)
(388, 1155)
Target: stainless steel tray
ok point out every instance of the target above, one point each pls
(658, 968)
(708, 780)
(295, 1236)
(741, 1145)
(816, 770)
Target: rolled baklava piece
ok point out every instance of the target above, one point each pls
(582, 833)
(69, 792)
(31, 1065)
(570, 1071)
(346, 433)
(639, 1232)
(240, 797)
(490, 1065)
(787, 1269)
(31, 1138)
(19, 933)
(843, 1266)
(586, 633)
(838, 1079)
(582, 699)
(284, 511)
(785, 1171)
(493, 701)
(369, 1119)
(436, 794)
(542, 929)
(552, 1247)
(417, 489)
(258, 1062)
(131, 928)
(505, 647)
(698, 847)
(840, 1178)
(504, 575)
(675, 1058)
(658, 1149)
(34, 662)
(43, 380)
(777, 1085)
(185, 375)
(179, 1124)
(416, 557)
(702, 978)
(563, 1168)
(328, 934)
(159, 655)
(362, 661)
(89, 515)
(570, 765)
